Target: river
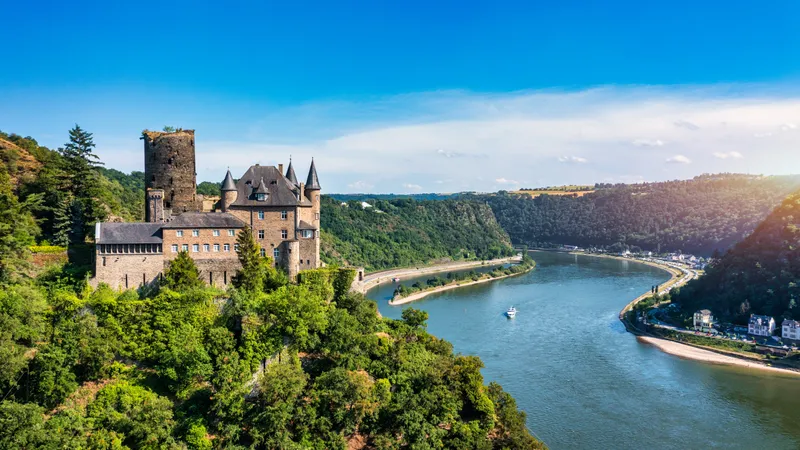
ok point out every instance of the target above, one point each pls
(584, 382)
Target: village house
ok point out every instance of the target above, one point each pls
(761, 325)
(703, 320)
(790, 329)
(283, 214)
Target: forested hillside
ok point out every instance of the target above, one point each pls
(266, 365)
(67, 189)
(404, 232)
(707, 213)
(759, 275)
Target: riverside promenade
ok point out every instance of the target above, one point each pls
(376, 278)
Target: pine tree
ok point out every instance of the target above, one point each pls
(251, 277)
(79, 163)
(182, 273)
(62, 223)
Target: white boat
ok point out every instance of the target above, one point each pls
(511, 313)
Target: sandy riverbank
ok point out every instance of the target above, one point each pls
(698, 354)
(683, 350)
(374, 279)
(422, 294)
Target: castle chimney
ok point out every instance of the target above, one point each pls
(280, 168)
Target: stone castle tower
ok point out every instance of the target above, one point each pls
(169, 166)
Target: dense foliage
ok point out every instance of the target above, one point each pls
(66, 189)
(304, 366)
(405, 232)
(759, 275)
(707, 213)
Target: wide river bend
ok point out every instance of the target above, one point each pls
(584, 382)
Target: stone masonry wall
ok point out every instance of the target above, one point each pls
(169, 164)
(128, 271)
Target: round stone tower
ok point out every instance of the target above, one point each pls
(169, 165)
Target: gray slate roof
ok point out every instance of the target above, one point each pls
(227, 183)
(755, 319)
(306, 226)
(280, 189)
(290, 174)
(313, 181)
(129, 233)
(204, 220)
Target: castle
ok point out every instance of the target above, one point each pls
(283, 214)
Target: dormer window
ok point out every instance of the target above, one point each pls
(261, 197)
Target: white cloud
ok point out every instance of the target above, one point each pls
(648, 143)
(788, 127)
(686, 124)
(413, 187)
(506, 181)
(361, 185)
(762, 135)
(726, 155)
(572, 159)
(678, 159)
(378, 145)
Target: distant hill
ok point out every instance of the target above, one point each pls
(759, 275)
(404, 232)
(701, 215)
(367, 197)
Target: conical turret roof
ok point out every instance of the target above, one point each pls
(290, 173)
(313, 181)
(227, 183)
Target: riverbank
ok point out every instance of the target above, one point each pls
(424, 293)
(374, 279)
(708, 356)
(681, 350)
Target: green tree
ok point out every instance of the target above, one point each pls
(251, 276)
(17, 231)
(280, 387)
(143, 418)
(182, 273)
(79, 166)
(414, 317)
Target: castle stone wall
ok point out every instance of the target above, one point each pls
(169, 164)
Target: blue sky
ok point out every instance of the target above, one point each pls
(418, 96)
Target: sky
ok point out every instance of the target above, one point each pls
(418, 96)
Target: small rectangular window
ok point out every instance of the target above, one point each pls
(236, 247)
(263, 252)
(179, 233)
(316, 216)
(276, 253)
(261, 234)
(284, 234)
(231, 232)
(216, 232)
(206, 248)
(185, 247)
(195, 248)
(216, 247)
(104, 261)
(284, 215)
(195, 233)
(261, 215)
(226, 247)
(174, 248)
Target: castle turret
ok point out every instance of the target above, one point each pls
(155, 205)
(290, 173)
(169, 165)
(229, 193)
(311, 192)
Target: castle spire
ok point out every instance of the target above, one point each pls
(290, 173)
(227, 183)
(312, 183)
